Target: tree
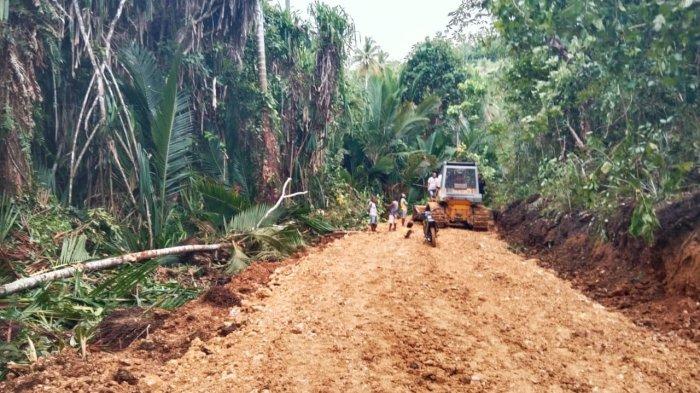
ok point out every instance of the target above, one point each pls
(334, 29)
(369, 58)
(388, 126)
(470, 22)
(22, 47)
(433, 67)
(604, 100)
(271, 159)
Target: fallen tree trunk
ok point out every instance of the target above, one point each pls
(36, 280)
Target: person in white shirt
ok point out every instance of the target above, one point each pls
(433, 185)
(373, 214)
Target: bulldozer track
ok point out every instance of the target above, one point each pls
(482, 218)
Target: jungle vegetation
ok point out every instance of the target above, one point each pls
(134, 125)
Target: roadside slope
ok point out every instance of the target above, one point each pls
(375, 312)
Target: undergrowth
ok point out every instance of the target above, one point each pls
(42, 235)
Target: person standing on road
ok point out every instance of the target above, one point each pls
(373, 214)
(404, 209)
(393, 213)
(434, 185)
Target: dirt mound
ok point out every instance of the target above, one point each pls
(221, 295)
(122, 327)
(658, 284)
(128, 339)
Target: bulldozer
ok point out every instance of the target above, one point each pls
(459, 201)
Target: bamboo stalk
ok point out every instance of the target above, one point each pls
(36, 280)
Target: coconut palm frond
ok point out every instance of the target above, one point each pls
(73, 250)
(120, 285)
(220, 199)
(275, 242)
(303, 216)
(238, 261)
(248, 219)
(143, 94)
(171, 131)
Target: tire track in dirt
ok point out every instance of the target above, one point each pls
(375, 312)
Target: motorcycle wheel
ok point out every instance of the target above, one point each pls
(433, 236)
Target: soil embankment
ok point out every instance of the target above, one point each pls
(657, 285)
(375, 312)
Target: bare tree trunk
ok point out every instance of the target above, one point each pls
(287, 5)
(271, 162)
(36, 280)
(14, 168)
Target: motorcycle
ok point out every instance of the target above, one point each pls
(430, 228)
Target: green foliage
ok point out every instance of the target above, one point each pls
(258, 235)
(66, 313)
(369, 58)
(600, 99)
(220, 202)
(643, 222)
(433, 68)
(8, 217)
(164, 119)
(45, 224)
(389, 126)
(73, 250)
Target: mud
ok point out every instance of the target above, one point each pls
(376, 312)
(657, 285)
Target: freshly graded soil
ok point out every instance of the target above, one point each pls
(656, 285)
(377, 312)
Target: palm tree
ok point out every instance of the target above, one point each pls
(369, 58)
(271, 161)
(389, 124)
(163, 116)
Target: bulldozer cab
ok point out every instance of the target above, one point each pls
(460, 181)
(459, 201)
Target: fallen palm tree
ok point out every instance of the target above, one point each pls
(66, 272)
(36, 280)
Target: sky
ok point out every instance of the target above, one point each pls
(396, 25)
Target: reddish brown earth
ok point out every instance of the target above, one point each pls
(657, 285)
(376, 312)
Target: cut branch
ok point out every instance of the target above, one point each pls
(36, 280)
(577, 139)
(282, 198)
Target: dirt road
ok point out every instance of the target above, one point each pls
(374, 312)
(377, 313)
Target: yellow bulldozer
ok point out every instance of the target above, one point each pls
(459, 201)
